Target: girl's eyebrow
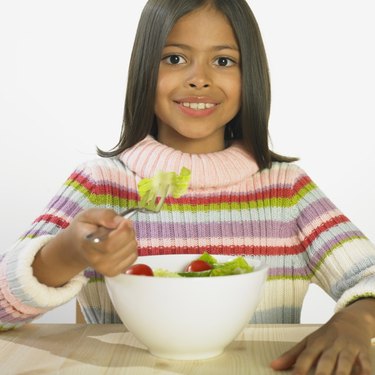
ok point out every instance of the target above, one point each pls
(214, 48)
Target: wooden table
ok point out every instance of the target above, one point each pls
(109, 349)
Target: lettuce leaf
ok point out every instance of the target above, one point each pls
(161, 272)
(208, 258)
(163, 184)
(233, 267)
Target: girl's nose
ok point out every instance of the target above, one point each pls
(198, 78)
(198, 85)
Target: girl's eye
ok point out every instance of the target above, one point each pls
(224, 61)
(174, 59)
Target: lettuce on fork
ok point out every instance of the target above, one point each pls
(163, 184)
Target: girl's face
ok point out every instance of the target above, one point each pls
(199, 83)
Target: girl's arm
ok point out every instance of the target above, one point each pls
(341, 261)
(37, 273)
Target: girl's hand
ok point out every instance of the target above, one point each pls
(341, 346)
(110, 257)
(70, 252)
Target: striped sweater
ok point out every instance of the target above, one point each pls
(277, 215)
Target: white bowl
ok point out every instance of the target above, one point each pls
(186, 318)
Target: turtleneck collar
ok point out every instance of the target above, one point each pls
(217, 169)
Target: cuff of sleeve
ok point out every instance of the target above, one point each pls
(24, 286)
(365, 289)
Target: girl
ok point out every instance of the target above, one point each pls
(198, 96)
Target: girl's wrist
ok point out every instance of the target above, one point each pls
(57, 262)
(362, 312)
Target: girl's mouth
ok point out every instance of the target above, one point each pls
(198, 106)
(196, 109)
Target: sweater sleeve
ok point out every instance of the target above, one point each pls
(22, 297)
(341, 258)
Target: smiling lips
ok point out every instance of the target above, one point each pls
(196, 107)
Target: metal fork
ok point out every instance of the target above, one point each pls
(101, 234)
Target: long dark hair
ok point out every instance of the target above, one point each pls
(157, 20)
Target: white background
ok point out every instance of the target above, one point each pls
(62, 85)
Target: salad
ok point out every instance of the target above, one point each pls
(204, 266)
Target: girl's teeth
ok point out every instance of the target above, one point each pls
(198, 105)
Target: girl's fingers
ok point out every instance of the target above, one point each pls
(345, 363)
(116, 239)
(307, 360)
(363, 364)
(122, 232)
(100, 217)
(117, 252)
(288, 359)
(332, 359)
(114, 264)
(129, 250)
(125, 263)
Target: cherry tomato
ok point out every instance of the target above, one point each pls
(140, 269)
(198, 266)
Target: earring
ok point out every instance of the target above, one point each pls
(229, 131)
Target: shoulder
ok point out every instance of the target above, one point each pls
(101, 165)
(102, 170)
(283, 172)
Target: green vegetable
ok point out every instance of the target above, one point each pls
(208, 258)
(161, 272)
(235, 266)
(163, 184)
(196, 274)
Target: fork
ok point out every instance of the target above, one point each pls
(149, 207)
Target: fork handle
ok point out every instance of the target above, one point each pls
(102, 232)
